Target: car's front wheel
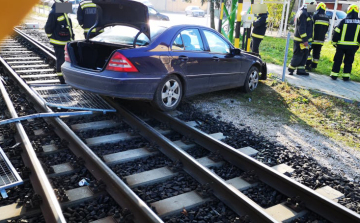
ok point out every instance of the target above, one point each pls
(168, 94)
(252, 80)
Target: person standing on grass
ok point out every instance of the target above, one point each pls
(302, 37)
(321, 26)
(346, 39)
(258, 32)
(86, 16)
(59, 30)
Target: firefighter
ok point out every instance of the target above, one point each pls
(346, 39)
(321, 26)
(59, 30)
(302, 40)
(258, 32)
(86, 16)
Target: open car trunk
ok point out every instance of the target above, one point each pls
(92, 55)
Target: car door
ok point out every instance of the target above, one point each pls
(227, 67)
(189, 56)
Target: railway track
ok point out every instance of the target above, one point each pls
(150, 166)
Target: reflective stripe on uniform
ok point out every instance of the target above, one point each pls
(87, 5)
(257, 36)
(357, 33)
(316, 61)
(308, 19)
(310, 39)
(333, 74)
(60, 18)
(343, 33)
(297, 39)
(59, 74)
(48, 35)
(309, 58)
(291, 67)
(69, 26)
(345, 75)
(337, 30)
(58, 42)
(301, 68)
(303, 35)
(318, 42)
(325, 23)
(350, 43)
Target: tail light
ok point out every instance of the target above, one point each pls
(67, 58)
(120, 63)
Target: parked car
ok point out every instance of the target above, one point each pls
(338, 16)
(158, 64)
(194, 11)
(155, 15)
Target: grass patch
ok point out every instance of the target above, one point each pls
(272, 51)
(325, 114)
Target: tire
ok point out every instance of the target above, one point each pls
(252, 80)
(168, 94)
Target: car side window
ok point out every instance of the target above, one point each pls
(192, 40)
(178, 43)
(216, 43)
(152, 11)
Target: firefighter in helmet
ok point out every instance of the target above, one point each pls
(259, 31)
(346, 39)
(321, 26)
(86, 16)
(59, 30)
(302, 40)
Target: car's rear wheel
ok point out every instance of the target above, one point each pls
(252, 80)
(168, 94)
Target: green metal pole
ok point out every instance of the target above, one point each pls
(232, 20)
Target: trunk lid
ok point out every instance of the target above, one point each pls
(123, 12)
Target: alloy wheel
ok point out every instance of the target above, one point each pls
(253, 80)
(170, 93)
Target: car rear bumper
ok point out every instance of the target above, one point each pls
(110, 83)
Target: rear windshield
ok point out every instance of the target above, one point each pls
(125, 35)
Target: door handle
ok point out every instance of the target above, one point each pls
(183, 58)
(216, 58)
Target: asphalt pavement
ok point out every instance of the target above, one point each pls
(349, 90)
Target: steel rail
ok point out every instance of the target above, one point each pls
(323, 206)
(50, 53)
(50, 206)
(236, 200)
(121, 193)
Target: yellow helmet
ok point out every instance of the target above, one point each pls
(321, 5)
(354, 8)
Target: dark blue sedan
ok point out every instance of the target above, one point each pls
(160, 64)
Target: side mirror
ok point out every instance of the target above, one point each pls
(235, 51)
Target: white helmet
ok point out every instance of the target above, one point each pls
(309, 2)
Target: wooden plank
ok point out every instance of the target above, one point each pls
(95, 125)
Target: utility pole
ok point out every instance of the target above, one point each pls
(333, 20)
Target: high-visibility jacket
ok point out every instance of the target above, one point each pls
(346, 35)
(86, 15)
(303, 26)
(58, 28)
(321, 26)
(260, 26)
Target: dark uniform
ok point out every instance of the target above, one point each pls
(86, 15)
(321, 26)
(58, 28)
(303, 34)
(258, 32)
(346, 39)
